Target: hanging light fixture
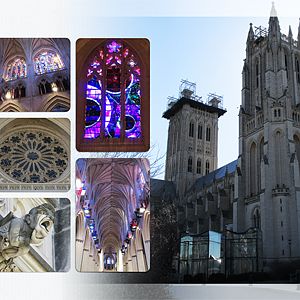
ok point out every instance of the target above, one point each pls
(140, 211)
(54, 87)
(133, 225)
(8, 95)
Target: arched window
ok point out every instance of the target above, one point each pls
(207, 167)
(60, 107)
(208, 134)
(116, 92)
(297, 147)
(286, 65)
(260, 158)
(199, 132)
(257, 73)
(47, 61)
(253, 169)
(198, 166)
(45, 87)
(15, 69)
(16, 92)
(297, 70)
(190, 164)
(256, 218)
(278, 157)
(191, 129)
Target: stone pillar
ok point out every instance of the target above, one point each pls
(62, 235)
(78, 254)
(101, 261)
(129, 260)
(147, 252)
(141, 260)
(120, 261)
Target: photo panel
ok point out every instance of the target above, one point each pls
(34, 155)
(34, 234)
(113, 95)
(35, 74)
(112, 215)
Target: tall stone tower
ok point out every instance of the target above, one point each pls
(268, 194)
(193, 136)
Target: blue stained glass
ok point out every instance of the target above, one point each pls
(15, 69)
(117, 61)
(47, 62)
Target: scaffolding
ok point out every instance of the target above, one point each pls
(187, 90)
(214, 100)
(260, 32)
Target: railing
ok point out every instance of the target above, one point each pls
(255, 123)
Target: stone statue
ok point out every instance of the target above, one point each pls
(16, 234)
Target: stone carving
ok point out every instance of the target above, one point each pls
(33, 157)
(16, 234)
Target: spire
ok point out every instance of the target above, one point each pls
(290, 31)
(250, 33)
(290, 34)
(299, 34)
(274, 28)
(273, 13)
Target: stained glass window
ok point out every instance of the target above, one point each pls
(46, 62)
(113, 94)
(15, 69)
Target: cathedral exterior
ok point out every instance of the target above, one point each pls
(252, 203)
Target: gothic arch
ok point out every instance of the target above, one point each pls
(256, 217)
(297, 146)
(207, 167)
(260, 160)
(253, 168)
(52, 101)
(190, 164)
(11, 106)
(200, 131)
(13, 50)
(278, 145)
(113, 120)
(199, 166)
(208, 133)
(191, 128)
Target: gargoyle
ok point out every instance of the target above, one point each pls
(16, 234)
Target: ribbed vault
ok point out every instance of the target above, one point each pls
(111, 190)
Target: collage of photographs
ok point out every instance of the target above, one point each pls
(87, 194)
(112, 193)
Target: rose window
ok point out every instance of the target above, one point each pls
(33, 157)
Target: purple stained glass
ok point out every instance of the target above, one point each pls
(16, 69)
(117, 61)
(114, 47)
(93, 109)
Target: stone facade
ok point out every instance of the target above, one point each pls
(261, 189)
(193, 139)
(268, 190)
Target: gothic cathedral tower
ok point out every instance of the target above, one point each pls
(268, 194)
(192, 138)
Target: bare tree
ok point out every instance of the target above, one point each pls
(154, 156)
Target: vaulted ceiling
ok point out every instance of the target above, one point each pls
(113, 189)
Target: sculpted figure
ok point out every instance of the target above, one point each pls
(16, 234)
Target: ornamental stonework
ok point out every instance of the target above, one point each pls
(30, 156)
